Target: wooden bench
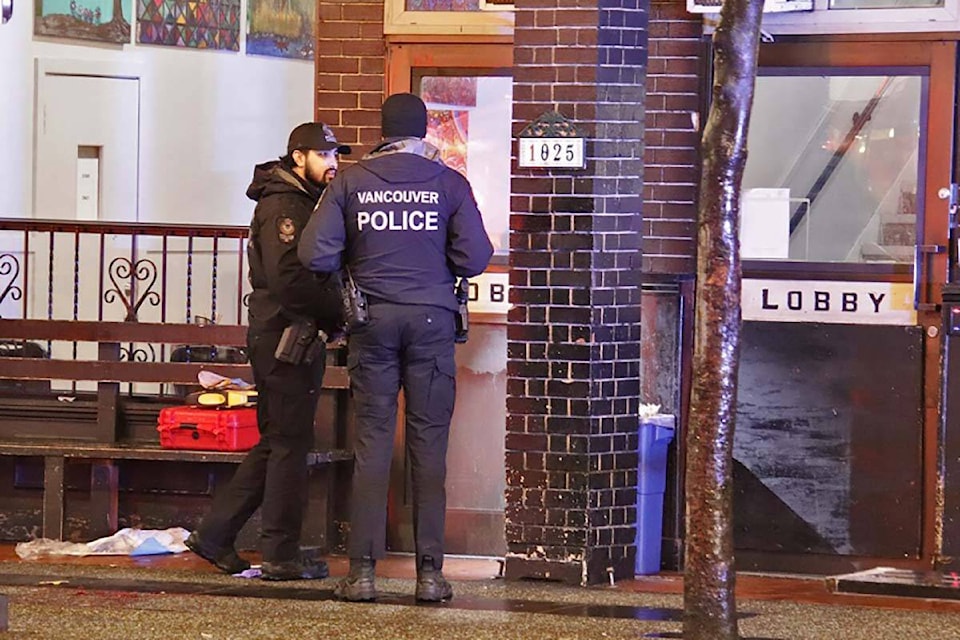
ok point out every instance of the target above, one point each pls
(108, 425)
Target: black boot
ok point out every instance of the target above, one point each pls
(431, 585)
(303, 568)
(359, 585)
(223, 558)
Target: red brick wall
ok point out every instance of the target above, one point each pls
(350, 62)
(350, 84)
(671, 171)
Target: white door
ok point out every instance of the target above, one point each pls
(88, 142)
(86, 167)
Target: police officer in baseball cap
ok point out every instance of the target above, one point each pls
(316, 136)
(273, 475)
(405, 226)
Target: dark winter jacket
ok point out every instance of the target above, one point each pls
(404, 223)
(282, 288)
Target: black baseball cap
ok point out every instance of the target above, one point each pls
(316, 136)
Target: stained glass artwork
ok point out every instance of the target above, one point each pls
(190, 23)
(98, 20)
(443, 5)
(469, 121)
(281, 28)
(447, 131)
(449, 99)
(449, 90)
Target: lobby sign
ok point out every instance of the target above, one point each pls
(488, 293)
(834, 302)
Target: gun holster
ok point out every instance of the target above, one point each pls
(299, 344)
(355, 313)
(463, 314)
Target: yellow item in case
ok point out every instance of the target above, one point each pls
(224, 398)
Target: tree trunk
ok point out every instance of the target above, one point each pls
(709, 604)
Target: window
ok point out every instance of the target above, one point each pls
(835, 166)
(884, 4)
(868, 16)
(469, 121)
(460, 17)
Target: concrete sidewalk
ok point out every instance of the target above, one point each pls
(138, 602)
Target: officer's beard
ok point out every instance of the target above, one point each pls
(320, 179)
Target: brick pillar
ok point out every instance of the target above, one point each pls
(573, 333)
(672, 162)
(350, 64)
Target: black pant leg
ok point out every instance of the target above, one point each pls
(234, 503)
(375, 383)
(274, 473)
(429, 383)
(237, 501)
(287, 428)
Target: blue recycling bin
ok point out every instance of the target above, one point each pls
(656, 432)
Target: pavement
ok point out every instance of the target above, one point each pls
(179, 597)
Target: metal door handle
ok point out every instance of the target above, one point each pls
(919, 269)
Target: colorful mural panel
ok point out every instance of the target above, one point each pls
(447, 131)
(281, 28)
(447, 119)
(459, 91)
(190, 23)
(99, 20)
(443, 5)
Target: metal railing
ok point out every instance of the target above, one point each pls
(75, 270)
(82, 272)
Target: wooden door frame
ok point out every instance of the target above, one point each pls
(404, 57)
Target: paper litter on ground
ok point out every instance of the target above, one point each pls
(125, 542)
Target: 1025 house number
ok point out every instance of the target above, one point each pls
(551, 152)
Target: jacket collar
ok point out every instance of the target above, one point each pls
(415, 146)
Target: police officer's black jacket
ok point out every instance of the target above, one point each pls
(283, 289)
(405, 224)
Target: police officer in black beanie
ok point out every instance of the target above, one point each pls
(273, 476)
(405, 226)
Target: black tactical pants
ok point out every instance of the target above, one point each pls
(274, 473)
(408, 346)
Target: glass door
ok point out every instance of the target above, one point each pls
(844, 244)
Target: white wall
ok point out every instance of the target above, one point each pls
(206, 118)
(15, 111)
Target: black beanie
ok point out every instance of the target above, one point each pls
(403, 115)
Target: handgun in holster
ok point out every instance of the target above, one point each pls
(463, 314)
(355, 313)
(300, 343)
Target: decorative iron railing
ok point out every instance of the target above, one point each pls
(121, 272)
(62, 270)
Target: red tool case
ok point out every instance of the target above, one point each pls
(208, 429)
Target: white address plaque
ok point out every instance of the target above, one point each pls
(552, 153)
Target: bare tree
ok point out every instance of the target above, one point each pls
(710, 611)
